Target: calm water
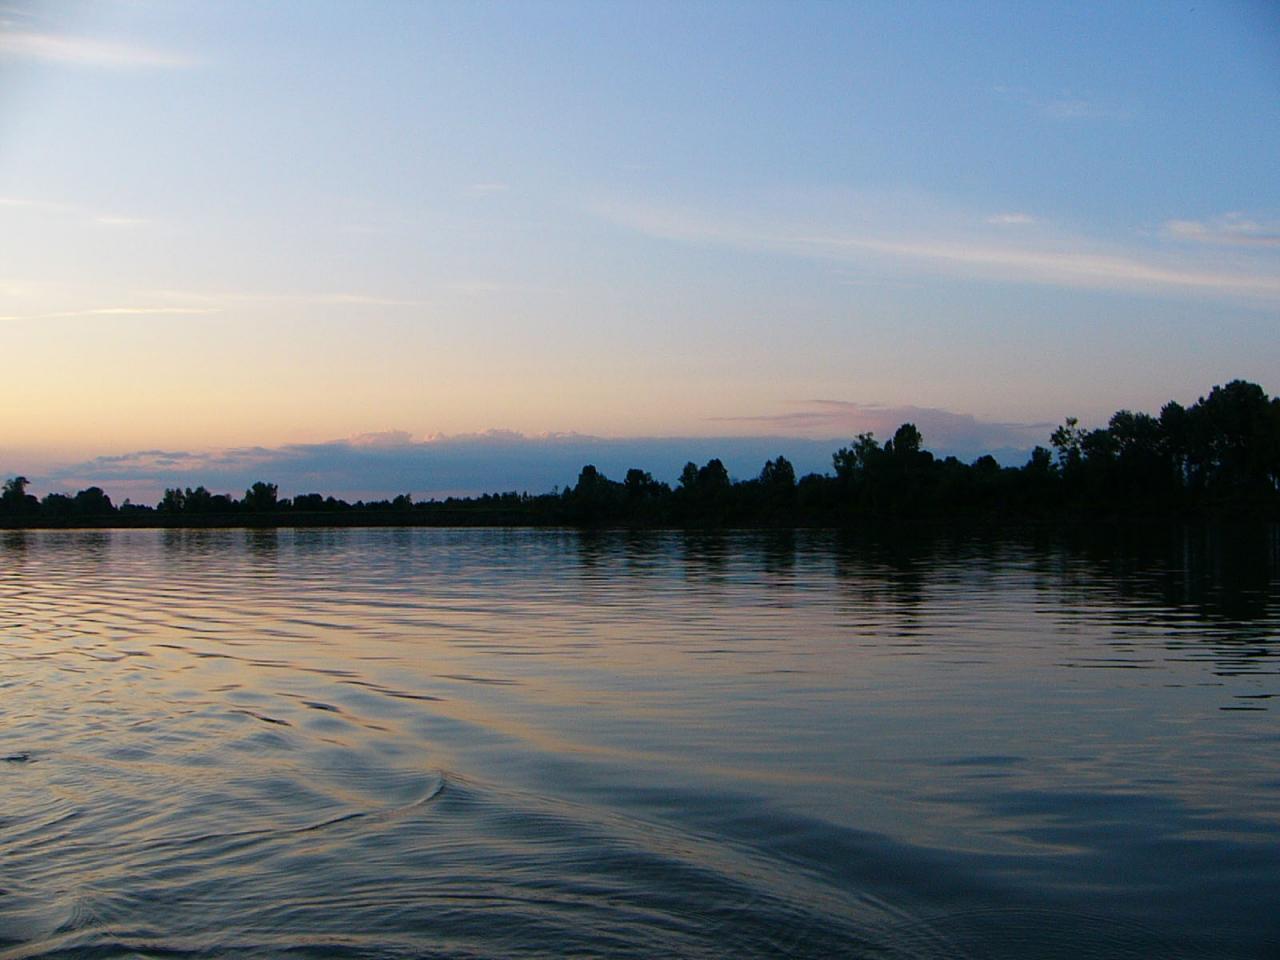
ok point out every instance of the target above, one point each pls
(386, 743)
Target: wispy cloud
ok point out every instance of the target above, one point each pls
(489, 188)
(1011, 219)
(1039, 260)
(1071, 108)
(85, 51)
(121, 221)
(1059, 267)
(319, 299)
(1230, 230)
(115, 312)
(159, 303)
(1064, 106)
(55, 208)
(47, 206)
(353, 299)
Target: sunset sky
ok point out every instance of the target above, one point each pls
(414, 246)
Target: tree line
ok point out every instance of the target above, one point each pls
(1220, 457)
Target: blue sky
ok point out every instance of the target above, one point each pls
(230, 227)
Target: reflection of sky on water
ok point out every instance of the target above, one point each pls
(998, 732)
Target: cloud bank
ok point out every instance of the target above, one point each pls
(379, 465)
(945, 432)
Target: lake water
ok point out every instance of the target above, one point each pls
(489, 743)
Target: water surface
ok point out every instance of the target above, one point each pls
(479, 743)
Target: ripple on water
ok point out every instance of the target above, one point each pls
(224, 743)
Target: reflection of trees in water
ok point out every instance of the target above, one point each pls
(402, 538)
(1222, 573)
(90, 545)
(263, 546)
(910, 570)
(1225, 574)
(777, 550)
(597, 553)
(897, 563)
(706, 555)
(1207, 589)
(1210, 589)
(400, 560)
(77, 547)
(15, 544)
(194, 541)
(307, 540)
(644, 552)
(875, 572)
(93, 545)
(610, 559)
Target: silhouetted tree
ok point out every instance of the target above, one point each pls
(1066, 440)
(57, 507)
(14, 498)
(1235, 440)
(92, 502)
(1175, 441)
(639, 484)
(260, 498)
(778, 473)
(595, 499)
(772, 495)
(15, 491)
(713, 478)
(906, 442)
(1041, 463)
(850, 462)
(198, 501)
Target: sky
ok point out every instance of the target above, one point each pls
(449, 247)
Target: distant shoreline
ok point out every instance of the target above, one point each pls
(1216, 460)
(463, 520)
(351, 518)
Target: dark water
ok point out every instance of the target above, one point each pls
(415, 743)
